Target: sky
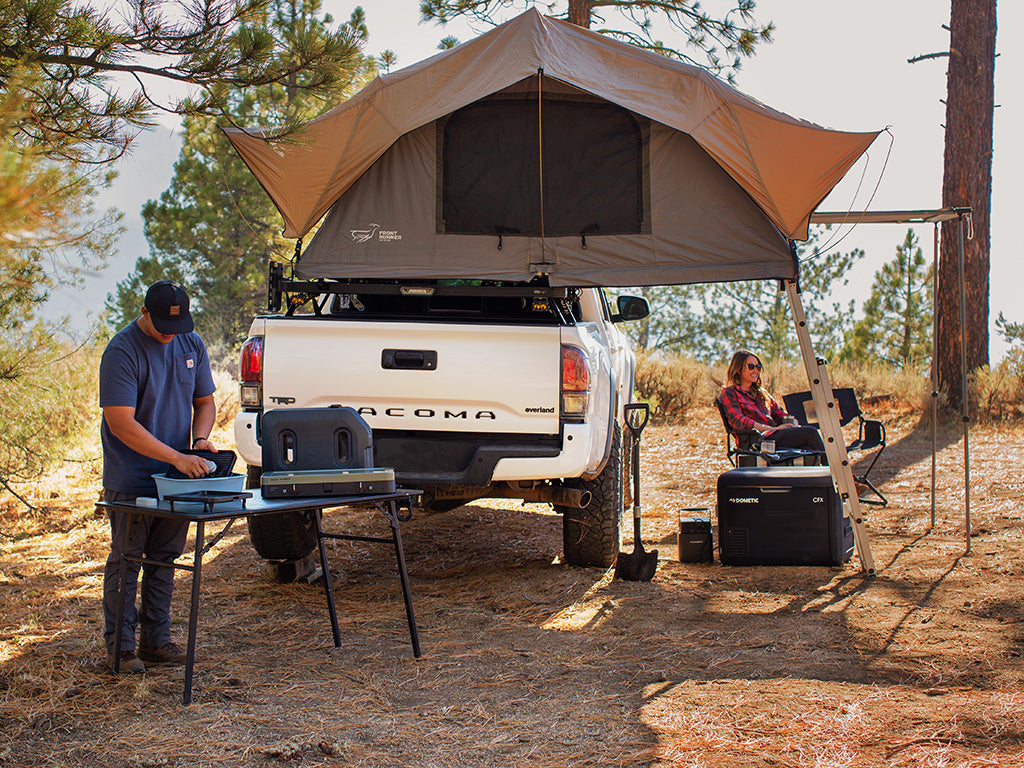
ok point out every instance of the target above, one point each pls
(843, 65)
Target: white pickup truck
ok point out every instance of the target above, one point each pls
(472, 389)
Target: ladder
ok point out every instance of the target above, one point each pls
(832, 434)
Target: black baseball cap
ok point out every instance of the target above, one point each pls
(167, 304)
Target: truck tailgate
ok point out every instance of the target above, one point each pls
(425, 376)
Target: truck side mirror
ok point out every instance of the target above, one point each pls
(631, 308)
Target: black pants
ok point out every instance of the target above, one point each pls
(158, 538)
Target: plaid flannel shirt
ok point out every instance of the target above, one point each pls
(743, 410)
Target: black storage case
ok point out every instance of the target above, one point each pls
(695, 543)
(298, 439)
(781, 516)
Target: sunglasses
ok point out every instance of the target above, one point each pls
(753, 366)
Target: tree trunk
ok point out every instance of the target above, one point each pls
(967, 182)
(579, 12)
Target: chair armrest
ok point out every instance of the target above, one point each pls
(751, 437)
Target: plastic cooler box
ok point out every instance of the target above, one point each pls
(781, 516)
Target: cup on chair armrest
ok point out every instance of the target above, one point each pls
(767, 446)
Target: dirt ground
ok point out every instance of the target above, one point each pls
(530, 662)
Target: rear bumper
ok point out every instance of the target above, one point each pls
(462, 459)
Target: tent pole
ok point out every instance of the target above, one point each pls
(965, 414)
(935, 367)
(831, 431)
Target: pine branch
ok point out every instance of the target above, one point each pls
(939, 55)
(14, 493)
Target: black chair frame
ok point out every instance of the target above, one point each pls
(748, 444)
(870, 432)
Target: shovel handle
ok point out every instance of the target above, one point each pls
(637, 416)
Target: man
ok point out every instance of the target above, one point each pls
(156, 393)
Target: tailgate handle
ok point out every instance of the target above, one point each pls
(409, 359)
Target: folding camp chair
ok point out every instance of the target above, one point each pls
(747, 450)
(870, 435)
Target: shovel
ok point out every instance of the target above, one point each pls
(638, 565)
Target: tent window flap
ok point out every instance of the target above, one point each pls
(592, 169)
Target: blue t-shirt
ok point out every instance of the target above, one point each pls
(159, 381)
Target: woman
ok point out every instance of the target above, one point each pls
(748, 406)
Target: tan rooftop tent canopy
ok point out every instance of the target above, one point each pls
(542, 147)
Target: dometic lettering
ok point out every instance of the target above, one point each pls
(398, 412)
(745, 500)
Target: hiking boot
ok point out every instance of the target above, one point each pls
(168, 653)
(130, 664)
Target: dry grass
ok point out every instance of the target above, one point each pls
(529, 662)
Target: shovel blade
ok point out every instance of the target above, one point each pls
(637, 565)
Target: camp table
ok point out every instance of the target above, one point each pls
(203, 507)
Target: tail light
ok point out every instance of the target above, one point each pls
(251, 373)
(575, 382)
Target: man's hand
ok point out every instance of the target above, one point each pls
(191, 466)
(203, 444)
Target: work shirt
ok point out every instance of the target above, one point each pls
(159, 381)
(743, 409)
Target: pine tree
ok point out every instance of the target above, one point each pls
(966, 183)
(45, 388)
(897, 324)
(92, 75)
(215, 229)
(710, 322)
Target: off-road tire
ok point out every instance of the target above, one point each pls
(590, 535)
(287, 536)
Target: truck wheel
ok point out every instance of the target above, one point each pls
(287, 536)
(590, 535)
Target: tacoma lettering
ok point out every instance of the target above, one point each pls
(426, 413)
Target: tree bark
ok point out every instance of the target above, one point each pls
(967, 182)
(579, 12)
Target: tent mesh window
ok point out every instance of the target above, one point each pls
(592, 169)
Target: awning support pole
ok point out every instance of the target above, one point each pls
(935, 364)
(965, 412)
(831, 431)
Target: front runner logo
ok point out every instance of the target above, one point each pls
(374, 230)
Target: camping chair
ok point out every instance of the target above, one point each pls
(870, 435)
(747, 451)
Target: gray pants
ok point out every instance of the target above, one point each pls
(160, 539)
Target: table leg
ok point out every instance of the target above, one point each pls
(193, 614)
(396, 537)
(122, 580)
(328, 588)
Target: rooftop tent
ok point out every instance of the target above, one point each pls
(543, 148)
